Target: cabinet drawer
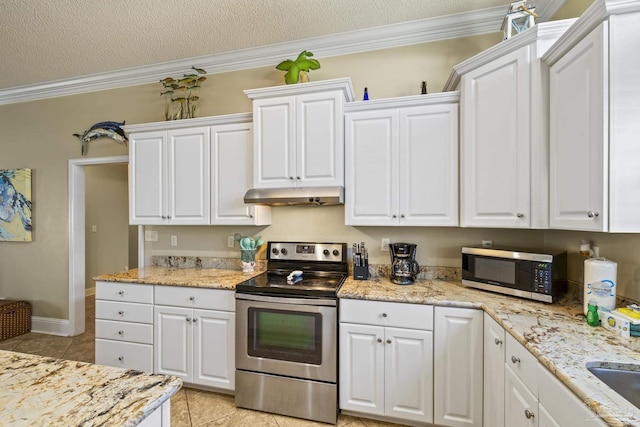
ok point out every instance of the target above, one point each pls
(124, 331)
(412, 316)
(124, 311)
(210, 299)
(127, 292)
(523, 363)
(124, 355)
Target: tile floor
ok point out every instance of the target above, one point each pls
(189, 407)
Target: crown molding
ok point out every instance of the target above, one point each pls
(226, 119)
(465, 24)
(439, 98)
(343, 85)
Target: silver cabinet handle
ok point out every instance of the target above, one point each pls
(291, 178)
(121, 293)
(192, 298)
(529, 414)
(402, 216)
(121, 312)
(250, 216)
(120, 332)
(388, 341)
(195, 320)
(163, 217)
(592, 214)
(121, 358)
(379, 340)
(497, 341)
(394, 216)
(515, 359)
(520, 215)
(168, 216)
(384, 314)
(188, 319)
(297, 177)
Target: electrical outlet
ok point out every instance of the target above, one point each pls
(384, 244)
(94, 228)
(231, 241)
(487, 243)
(174, 240)
(150, 236)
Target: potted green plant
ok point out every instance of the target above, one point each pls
(300, 67)
(181, 95)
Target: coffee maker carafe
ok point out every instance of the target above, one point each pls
(404, 267)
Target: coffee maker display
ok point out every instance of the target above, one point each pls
(404, 267)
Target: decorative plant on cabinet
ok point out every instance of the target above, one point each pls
(181, 95)
(298, 70)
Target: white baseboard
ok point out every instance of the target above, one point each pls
(49, 325)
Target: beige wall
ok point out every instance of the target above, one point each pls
(106, 208)
(572, 9)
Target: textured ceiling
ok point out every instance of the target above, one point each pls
(45, 40)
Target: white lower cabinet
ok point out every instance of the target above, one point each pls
(457, 366)
(520, 404)
(195, 344)
(493, 382)
(386, 364)
(124, 325)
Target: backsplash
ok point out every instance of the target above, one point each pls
(203, 262)
(426, 273)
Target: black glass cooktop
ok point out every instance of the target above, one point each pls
(309, 284)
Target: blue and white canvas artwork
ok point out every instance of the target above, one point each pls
(15, 205)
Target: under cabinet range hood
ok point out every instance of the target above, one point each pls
(316, 196)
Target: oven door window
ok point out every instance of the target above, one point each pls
(285, 335)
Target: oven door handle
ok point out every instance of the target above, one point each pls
(287, 300)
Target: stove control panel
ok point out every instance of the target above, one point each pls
(291, 251)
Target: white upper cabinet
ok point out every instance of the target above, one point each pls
(594, 126)
(232, 176)
(299, 134)
(193, 172)
(401, 161)
(169, 180)
(503, 131)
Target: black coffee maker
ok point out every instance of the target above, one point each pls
(404, 267)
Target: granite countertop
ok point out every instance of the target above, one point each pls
(36, 390)
(557, 334)
(214, 278)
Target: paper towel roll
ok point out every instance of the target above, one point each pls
(600, 283)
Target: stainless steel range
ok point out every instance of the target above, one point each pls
(287, 332)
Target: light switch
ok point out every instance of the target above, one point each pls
(150, 236)
(94, 228)
(231, 241)
(174, 240)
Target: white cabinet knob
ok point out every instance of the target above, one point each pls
(592, 214)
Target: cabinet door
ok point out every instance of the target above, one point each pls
(520, 405)
(232, 176)
(274, 142)
(578, 136)
(409, 374)
(545, 419)
(173, 342)
(362, 368)
(319, 140)
(493, 387)
(495, 142)
(188, 168)
(214, 349)
(457, 366)
(371, 163)
(147, 183)
(428, 155)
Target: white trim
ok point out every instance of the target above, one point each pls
(342, 84)
(465, 24)
(51, 326)
(439, 98)
(191, 123)
(75, 324)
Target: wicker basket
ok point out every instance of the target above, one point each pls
(15, 318)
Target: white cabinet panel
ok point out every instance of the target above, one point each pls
(173, 342)
(274, 147)
(147, 180)
(521, 406)
(493, 387)
(214, 349)
(458, 366)
(124, 355)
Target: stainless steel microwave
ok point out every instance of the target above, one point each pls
(536, 276)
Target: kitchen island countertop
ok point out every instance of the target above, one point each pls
(36, 390)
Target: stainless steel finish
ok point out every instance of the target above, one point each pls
(195, 320)
(499, 253)
(296, 196)
(498, 341)
(528, 414)
(288, 300)
(288, 396)
(192, 298)
(287, 251)
(379, 339)
(520, 215)
(624, 379)
(388, 341)
(592, 214)
(326, 371)
(515, 359)
(384, 314)
(121, 312)
(121, 332)
(508, 291)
